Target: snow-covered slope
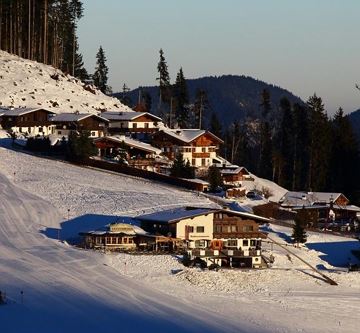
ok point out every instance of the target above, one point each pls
(68, 289)
(26, 83)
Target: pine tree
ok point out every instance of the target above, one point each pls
(164, 80)
(319, 148)
(201, 109)
(301, 148)
(214, 179)
(266, 152)
(100, 76)
(265, 104)
(181, 169)
(125, 98)
(286, 145)
(215, 125)
(299, 233)
(79, 70)
(80, 146)
(344, 164)
(181, 100)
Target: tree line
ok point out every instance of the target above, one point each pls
(298, 146)
(44, 31)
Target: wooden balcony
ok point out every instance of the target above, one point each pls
(200, 155)
(217, 253)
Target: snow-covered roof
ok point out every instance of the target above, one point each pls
(118, 228)
(175, 215)
(187, 135)
(127, 116)
(232, 171)
(71, 117)
(351, 208)
(21, 111)
(308, 198)
(131, 142)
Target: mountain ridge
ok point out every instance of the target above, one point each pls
(231, 97)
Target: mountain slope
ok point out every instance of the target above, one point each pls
(26, 83)
(231, 97)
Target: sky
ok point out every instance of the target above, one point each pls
(306, 47)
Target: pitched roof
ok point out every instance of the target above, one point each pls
(74, 117)
(188, 135)
(127, 116)
(117, 228)
(178, 214)
(175, 215)
(21, 111)
(232, 171)
(131, 142)
(308, 198)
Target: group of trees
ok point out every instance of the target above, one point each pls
(297, 146)
(43, 30)
(175, 106)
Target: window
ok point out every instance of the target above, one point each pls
(193, 162)
(200, 229)
(200, 243)
(218, 228)
(93, 133)
(219, 216)
(190, 229)
(203, 150)
(203, 162)
(231, 243)
(233, 228)
(108, 240)
(193, 149)
(114, 240)
(59, 132)
(125, 240)
(146, 125)
(131, 241)
(248, 228)
(252, 242)
(245, 242)
(40, 129)
(134, 125)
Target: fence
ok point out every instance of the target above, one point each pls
(124, 169)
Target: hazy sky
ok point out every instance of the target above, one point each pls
(304, 46)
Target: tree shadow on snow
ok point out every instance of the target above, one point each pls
(337, 254)
(69, 230)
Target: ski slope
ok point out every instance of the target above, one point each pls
(68, 289)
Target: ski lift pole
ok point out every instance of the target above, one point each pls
(327, 279)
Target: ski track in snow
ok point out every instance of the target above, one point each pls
(67, 289)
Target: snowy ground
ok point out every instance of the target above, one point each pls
(66, 289)
(26, 83)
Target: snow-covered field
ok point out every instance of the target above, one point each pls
(67, 289)
(26, 83)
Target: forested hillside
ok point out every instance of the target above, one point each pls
(230, 97)
(43, 30)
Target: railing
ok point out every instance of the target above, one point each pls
(220, 253)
